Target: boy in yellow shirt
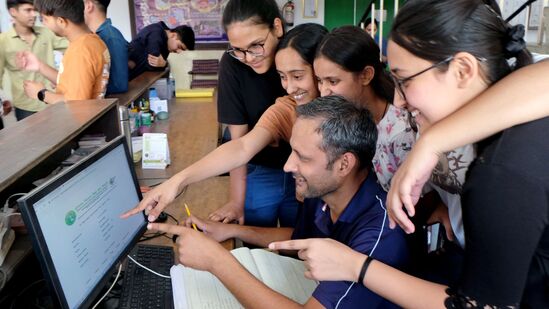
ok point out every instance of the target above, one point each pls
(84, 71)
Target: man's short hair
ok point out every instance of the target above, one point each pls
(186, 35)
(16, 3)
(345, 127)
(102, 5)
(69, 9)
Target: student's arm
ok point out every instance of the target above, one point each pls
(226, 157)
(259, 236)
(48, 72)
(32, 88)
(154, 54)
(199, 252)
(28, 61)
(520, 97)
(327, 259)
(234, 208)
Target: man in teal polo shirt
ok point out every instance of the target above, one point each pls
(26, 36)
(95, 15)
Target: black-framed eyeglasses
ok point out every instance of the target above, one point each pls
(255, 50)
(399, 82)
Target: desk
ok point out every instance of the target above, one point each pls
(193, 132)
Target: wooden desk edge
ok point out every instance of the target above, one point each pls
(21, 127)
(138, 86)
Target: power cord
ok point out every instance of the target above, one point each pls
(7, 203)
(146, 268)
(23, 291)
(110, 288)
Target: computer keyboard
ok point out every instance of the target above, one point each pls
(143, 289)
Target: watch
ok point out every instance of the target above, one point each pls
(41, 95)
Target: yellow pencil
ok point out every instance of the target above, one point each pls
(189, 214)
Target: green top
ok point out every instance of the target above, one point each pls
(43, 45)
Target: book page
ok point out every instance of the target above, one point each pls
(195, 289)
(284, 275)
(244, 256)
(204, 290)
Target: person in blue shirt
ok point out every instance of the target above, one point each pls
(371, 28)
(333, 142)
(150, 49)
(95, 15)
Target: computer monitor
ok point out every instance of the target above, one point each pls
(75, 226)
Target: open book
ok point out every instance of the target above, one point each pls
(195, 289)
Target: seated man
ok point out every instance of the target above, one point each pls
(333, 143)
(84, 71)
(151, 47)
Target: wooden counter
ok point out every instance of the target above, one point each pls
(29, 143)
(32, 148)
(139, 86)
(193, 132)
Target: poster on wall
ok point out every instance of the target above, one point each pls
(204, 16)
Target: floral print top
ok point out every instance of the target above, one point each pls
(395, 138)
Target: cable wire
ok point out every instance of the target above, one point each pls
(112, 285)
(146, 268)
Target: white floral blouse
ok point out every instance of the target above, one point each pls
(395, 138)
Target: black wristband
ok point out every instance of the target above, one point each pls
(367, 262)
(41, 95)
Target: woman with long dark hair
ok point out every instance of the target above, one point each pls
(347, 64)
(443, 54)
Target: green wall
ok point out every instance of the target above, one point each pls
(340, 12)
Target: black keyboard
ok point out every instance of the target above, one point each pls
(143, 289)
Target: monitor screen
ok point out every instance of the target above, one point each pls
(74, 221)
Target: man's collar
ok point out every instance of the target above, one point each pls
(164, 26)
(13, 34)
(106, 23)
(363, 199)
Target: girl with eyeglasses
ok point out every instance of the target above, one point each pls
(261, 194)
(505, 196)
(294, 60)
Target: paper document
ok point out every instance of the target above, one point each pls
(194, 289)
(156, 152)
